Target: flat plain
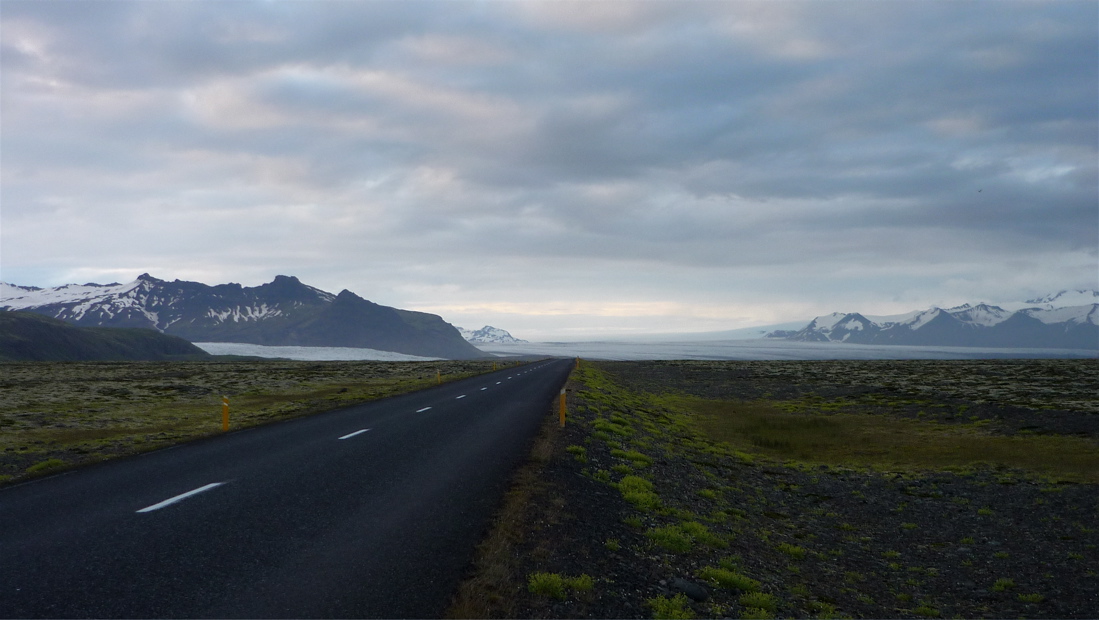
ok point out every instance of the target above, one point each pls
(819, 489)
(56, 415)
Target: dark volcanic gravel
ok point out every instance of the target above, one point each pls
(823, 541)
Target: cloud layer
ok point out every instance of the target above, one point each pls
(564, 168)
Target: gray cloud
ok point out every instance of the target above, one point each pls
(747, 161)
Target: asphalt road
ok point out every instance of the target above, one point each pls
(370, 511)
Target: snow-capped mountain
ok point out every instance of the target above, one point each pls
(149, 302)
(489, 335)
(1042, 323)
(281, 312)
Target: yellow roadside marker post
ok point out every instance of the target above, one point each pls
(562, 407)
(439, 377)
(224, 413)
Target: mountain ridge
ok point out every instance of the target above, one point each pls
(1040, 322)
(284, 311)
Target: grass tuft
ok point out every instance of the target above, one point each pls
(794, 551)
(45, 465)
(759, 600)
(639, 492)
(672, 538)
(549, 585)
(674, 608)
(728, 579)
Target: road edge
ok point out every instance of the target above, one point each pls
(488, 588)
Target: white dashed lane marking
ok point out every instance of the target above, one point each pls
(350, 435)
(422, 410)
(180, 497)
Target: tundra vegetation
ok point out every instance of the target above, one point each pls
(916, 489)
(55, 415)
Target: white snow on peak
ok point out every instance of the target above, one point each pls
(1066, 299)
(112, 298)
(1072, 314)
(981, 314)
(828, 321)
(925, 317)
(886, 319)
(14, 297)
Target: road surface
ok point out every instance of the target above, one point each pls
(370, 511)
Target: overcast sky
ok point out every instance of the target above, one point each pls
(559, 169)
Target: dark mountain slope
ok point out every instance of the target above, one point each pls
(25, 336)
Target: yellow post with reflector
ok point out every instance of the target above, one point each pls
(224, 413)
(562, 407)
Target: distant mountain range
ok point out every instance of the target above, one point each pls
(281, 312)
(30, 337)
(1066, 320)
(489, 335)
